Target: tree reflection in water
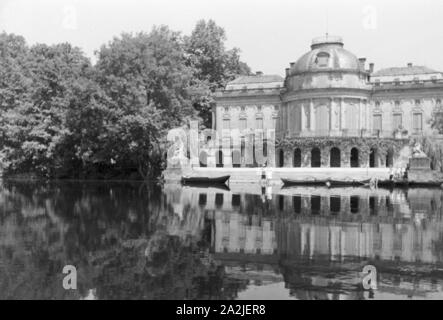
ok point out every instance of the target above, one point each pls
(131, 241)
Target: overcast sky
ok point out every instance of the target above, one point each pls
(269, 33)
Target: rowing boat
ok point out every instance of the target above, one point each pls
(205, 180)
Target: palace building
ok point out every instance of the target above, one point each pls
(330, 110)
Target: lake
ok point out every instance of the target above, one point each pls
(128, 240)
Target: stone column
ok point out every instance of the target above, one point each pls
(211, 157)
(342, 115)
(249, 149)
(258, 147)
(270, 138)
(226, 148)
(302, 118)
(311, 241)
(333, 119)
(288, 158)
(311, 114)
(288, 119)
(307, 118)
(210, 200)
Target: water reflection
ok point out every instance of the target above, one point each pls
(130, 241)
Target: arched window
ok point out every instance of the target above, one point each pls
(373, 158)
(296, 161)
(219, 162)
(355, 162)
(390, 158)
(335, 158)
(265, 148)
(322, 59)
(315, 158)
(281, 159)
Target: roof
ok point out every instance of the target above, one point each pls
(335, 57)
(257, 79)
(399, 71)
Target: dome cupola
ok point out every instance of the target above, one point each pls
(327, 54)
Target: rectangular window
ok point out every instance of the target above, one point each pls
(398, 121)
(377, 122)
(242, 123)
(226, 124)
(417, 123)
(259, 123)
(218, 199)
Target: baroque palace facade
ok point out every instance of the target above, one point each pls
(330, 110)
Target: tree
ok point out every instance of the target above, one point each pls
(62, 117)
(34, 115)
(147, 78)
(437, 120)
(213, 65)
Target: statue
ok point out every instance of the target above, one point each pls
(178, 158)
(179, 151)
(417, 151)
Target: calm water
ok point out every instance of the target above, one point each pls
(129, 241)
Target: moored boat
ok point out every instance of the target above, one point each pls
(205, 180)
(329, 182)
(291, 182)
(335, 183)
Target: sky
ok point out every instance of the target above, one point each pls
(269, 33)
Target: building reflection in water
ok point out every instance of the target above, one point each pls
(133, 242)
(320, 238)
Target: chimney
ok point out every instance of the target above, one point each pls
(259, 73)
(409, 64)
(287, 71)
(292, 64)
(362, 62)
(371, 67)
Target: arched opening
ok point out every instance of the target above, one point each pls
(335, 158)
(390, 158)
(373, 158)
(219, 160)
(296, 203)
(355, 204)
(236, 159)
(281, 203)
(203, 158)
(315, 158)
(219, 200)
(202, 199)
(335, 204)
(281, 158)
(355, 162)
(315, 204)
(296, 161)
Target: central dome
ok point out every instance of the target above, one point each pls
(327, 53)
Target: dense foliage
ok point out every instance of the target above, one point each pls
(62, 117)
